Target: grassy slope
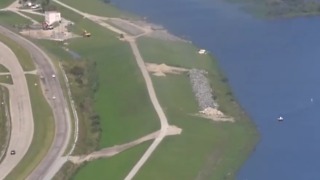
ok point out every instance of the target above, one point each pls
(44, 128)
(5, 3)
(122, 100)
(205, 150)
(115, 167)
(6, 79)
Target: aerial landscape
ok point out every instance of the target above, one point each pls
(161, 90)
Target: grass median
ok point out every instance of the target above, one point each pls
(4, 120)
(43, 128)
(3, 69)
(7, 79)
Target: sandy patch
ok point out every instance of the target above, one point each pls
(163, 69)
(215, 115)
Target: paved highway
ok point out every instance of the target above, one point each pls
(51, 87)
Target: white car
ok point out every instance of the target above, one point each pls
(53, 97)
(53, 75)
(35, 6)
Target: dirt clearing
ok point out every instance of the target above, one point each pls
(163, 69)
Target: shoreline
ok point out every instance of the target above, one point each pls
(214, 61)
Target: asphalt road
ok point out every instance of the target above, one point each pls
(20, 111)
(53, 160)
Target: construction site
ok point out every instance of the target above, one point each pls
(52, 26)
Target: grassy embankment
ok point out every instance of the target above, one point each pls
(205, 149)
(4, 131)
(43, 119)
(5, 3)
(44, 131)
(109, 91)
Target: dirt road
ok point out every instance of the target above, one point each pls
(53, 160)
(20, 110)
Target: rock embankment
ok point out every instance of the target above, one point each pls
(201, 88)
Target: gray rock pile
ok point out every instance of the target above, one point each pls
(201, 88)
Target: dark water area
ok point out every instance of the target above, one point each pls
(273, 68)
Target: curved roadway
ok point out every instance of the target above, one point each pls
(51, 86)
(20, 110)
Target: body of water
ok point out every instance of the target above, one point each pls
(273, 67)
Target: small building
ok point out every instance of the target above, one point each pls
(52, 17)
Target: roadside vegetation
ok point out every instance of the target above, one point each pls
(22, 54)
(44, 131)
(4, 120)
(7, 79)
(205, 149)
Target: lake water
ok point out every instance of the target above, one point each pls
(273, 67)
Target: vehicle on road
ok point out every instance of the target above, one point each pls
(13, 152)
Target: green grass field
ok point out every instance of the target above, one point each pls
(4, 133)
(5, 3)
(3, 68)
(7, 79)
(205, 149)
(121, 100)
(44, 131)
(36, 17)
(116, 167)
(10, 18)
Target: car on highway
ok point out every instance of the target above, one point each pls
(13, 152)
(53, 75)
